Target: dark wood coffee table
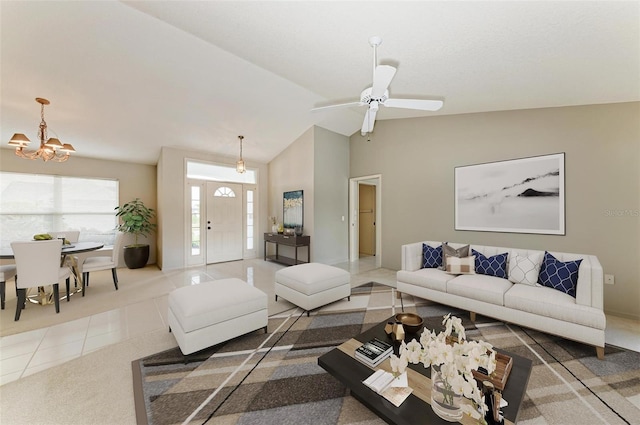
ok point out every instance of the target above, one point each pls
(340, 363)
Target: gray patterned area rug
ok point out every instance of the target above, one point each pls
(274, 378)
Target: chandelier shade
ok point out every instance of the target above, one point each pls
(51, 149)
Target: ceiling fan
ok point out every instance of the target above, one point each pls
(378, 94)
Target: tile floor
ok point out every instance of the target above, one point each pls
(27, 353)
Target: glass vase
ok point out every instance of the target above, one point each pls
(444, 401)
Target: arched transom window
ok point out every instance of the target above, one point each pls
(224, 192)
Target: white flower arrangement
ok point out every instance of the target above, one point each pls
(456, 361)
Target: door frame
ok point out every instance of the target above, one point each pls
(354, 206)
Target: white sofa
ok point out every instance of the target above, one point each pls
(537, 307)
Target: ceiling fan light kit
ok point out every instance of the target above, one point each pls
(378, 94)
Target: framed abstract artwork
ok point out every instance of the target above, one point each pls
(293, 209)
(523, 195)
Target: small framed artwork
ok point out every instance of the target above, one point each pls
(293, 209)
(523, 195)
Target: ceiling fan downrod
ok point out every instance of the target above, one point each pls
(375, 41)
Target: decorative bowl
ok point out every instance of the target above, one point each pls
(412, 323)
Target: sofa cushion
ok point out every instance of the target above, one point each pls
(431, 257)
(461, 265)
(525, 268)
(435, 279)
(480, 287)
(562, 276)
(548, 302)
(447, 249)
(495, 265)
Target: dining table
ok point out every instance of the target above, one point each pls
(67, 252)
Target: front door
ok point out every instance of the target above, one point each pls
(224, 222)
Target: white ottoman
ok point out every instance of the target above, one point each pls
(312, 285)
(213, 312)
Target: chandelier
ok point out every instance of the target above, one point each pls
(240, 167)
(50, 149)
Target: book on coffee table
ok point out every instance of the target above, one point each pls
(396, 390)
(373, 352)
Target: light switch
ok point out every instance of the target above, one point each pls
(608, 279)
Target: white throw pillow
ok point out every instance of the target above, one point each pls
(525, 268)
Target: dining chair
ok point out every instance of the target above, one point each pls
(6, 273)
(71, 235)
(97, 263)
(38, 264)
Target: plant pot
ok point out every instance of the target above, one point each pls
(136, 256)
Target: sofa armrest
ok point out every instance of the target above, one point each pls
(411, 257)
(597, 283)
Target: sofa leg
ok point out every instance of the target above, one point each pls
(600, 353)
(472, 316)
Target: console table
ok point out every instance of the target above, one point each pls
(294, 241)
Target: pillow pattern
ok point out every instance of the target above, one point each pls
(431, 257)
(491, 266)
(558, 275)
(525, 268)
(453, 252)
(461, 265)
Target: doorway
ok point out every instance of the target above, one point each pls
(369, 183)
(224, 222)
(366, 219)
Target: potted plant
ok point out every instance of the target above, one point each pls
(136, 220)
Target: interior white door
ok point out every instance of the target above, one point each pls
(224, 222)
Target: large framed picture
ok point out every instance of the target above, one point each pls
(523, 195)
(293, 209)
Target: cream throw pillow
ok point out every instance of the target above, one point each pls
(525, 268)
(461, 265)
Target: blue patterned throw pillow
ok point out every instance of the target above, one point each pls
(558, 275)
(491, 266)
(431, 257)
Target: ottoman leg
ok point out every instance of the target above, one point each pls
(349, 298)
(276, 298)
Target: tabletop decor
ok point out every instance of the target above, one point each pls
(452, 360)
(136, 220)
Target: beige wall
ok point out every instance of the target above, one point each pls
(317, 163)
(416, 158)
(292, 169)
(331, 195)
(135, 180)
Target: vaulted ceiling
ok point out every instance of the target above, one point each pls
(125, 78)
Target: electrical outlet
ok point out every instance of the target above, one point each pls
(608, 279)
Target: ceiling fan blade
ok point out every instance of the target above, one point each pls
(381, 79)
(339, 105)
(422, 104)
(369, 121)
